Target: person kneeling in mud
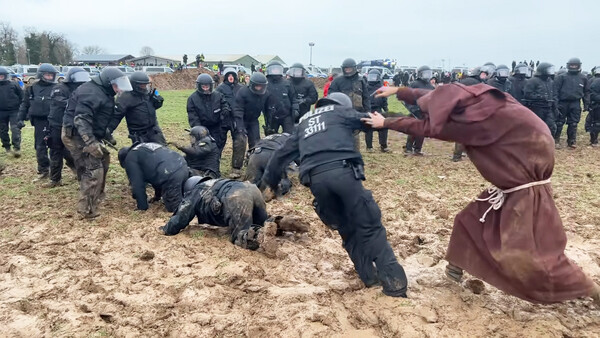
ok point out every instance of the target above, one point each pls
(203, 155)
(221, 202)
(158, 165)
(258, 158)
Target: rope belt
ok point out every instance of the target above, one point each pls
(496, 196)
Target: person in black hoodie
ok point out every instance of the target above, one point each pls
(379, 105)
(139, 109)
(75, 77)
(35, 107)
(306, 93)
(203, 155)
(86, 122)
(206, 107)
(281, 100)
(229, 89)
(11, 96)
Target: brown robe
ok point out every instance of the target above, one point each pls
(520, 247)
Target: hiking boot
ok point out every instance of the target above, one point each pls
(52, 184)
(594, 145)
(454, 272)
(16, 153)
(7, 150)
(418, 153)
(572, 145)
(369, 150)
(456, 158)
(235, 174)
(386, 150)
(408, 152)
(41, 177)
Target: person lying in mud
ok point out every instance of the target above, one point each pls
(203, 156)
(333, 169)
(259, 156)
(512, 236)
(158, 165)
(221, 202)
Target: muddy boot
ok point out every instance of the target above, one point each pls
(456, 158)
(454, 272)
(385, 150)
(557, 144)
(572, 145)
(418, 153)
(52, 184)
(16, 153)
(369, 150)
(235, 174)
(41, 177)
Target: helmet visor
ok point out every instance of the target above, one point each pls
(502, 72)
(80, 77)
(521, 70)
(275, 70)
(122, 84)
(550, 70)
(426, 74)
(296, 72)
(259, 89)
(373, 77)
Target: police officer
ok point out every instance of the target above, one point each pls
(139, 109)
(518, 81)
(592, 122)
(86, 123)
(571, 88)
(11, 96)
(499, 79)
(258, 158)
(159, 166)
(333, 170)
(281, 100)
(207, 108)
(250, 101)
(538, 95)
(415, 144)
(203, 156)
(229, 89)
(306, 93)
(239, 206)
(61, 93)
(380, 105)
(35, 107)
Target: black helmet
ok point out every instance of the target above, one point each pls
(297, 71)
(203, 80)
(77, 75)
(274, 68)
(113, 76)
(227, 71)
(349, 63)
(474, 72)
(488, 68)
(424, 73)
(522, 69)
(137, 79)
(544, 69)
(123, 152)
(258, 83)
(199, 132)
(191, 182)
(502, 71)
(374, 75)
(5, 74)
(46, 68)
(337, 98)
(595, 71)
(574, 65)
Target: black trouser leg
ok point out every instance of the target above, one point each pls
(561, 119)
(253, 130)
(410, 141)
(458, 151)
(383, 136)
(41, 149)
(369, 139)
(239, 150)
(418, 145)
(215, 132)
(573, 118)
(172, 190)
(15, 131)
(57, 150)
(4, 120)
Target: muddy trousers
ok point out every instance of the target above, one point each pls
(58, 155)
(458, 151)
(257, 163)
(344, 204)
(414, 143)
(8, 121)
(548, 116)
(592, 123)
(286, 124)
(569, 112)
(383, 135)
(251, 137)
(93, 174)
(40, 126)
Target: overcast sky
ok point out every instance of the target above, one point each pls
(469, 32)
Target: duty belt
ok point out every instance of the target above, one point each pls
(329, 166)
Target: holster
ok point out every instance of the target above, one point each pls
(359, 171)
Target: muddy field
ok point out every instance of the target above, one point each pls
(116, 276)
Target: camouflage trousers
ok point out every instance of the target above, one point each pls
(93, 175)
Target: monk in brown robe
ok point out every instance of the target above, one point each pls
(511, 236)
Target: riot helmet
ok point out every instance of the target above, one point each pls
(113, 79)
(4, 74)
(336, 98)
(47, 73)
(574, 65)
(544, 69)
(191, 182)
(521, 69)
(204, 84)
(77, 75)
(502, 71)
(374, 75)
(140, 82)
(424, 73)
(596, 71)
(488, 69)
(258, 84)
(274, 68)
(349, 67)
(297, 71)
(198, 132)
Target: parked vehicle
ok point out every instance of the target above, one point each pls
(126, 70)
(239, 68)
(156, 70)
(313, 71)
(386, 74)
(29, 72)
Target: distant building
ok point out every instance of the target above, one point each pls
(266, 58)
(227, 59)
(156, 60)
(103, 59)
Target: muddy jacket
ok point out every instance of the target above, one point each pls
(306, 94)
(207, 110)
(90, 111)
(11, 96)
(138, 109)
(58, 102)
(355, 87)
(36, 101)
(203, 155)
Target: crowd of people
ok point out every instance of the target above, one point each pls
(74, 121)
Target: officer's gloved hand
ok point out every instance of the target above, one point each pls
(296, 114)
(20, 124)
(110, 138)
(586, 108)
(95, 149)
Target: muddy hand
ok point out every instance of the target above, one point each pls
(386, 91)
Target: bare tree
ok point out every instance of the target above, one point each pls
(145, 51)
(9, 41)
(92, 50)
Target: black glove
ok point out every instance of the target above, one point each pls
(95, 149)
(20, 124)
(296, 114)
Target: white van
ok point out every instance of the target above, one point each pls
(156, 70)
